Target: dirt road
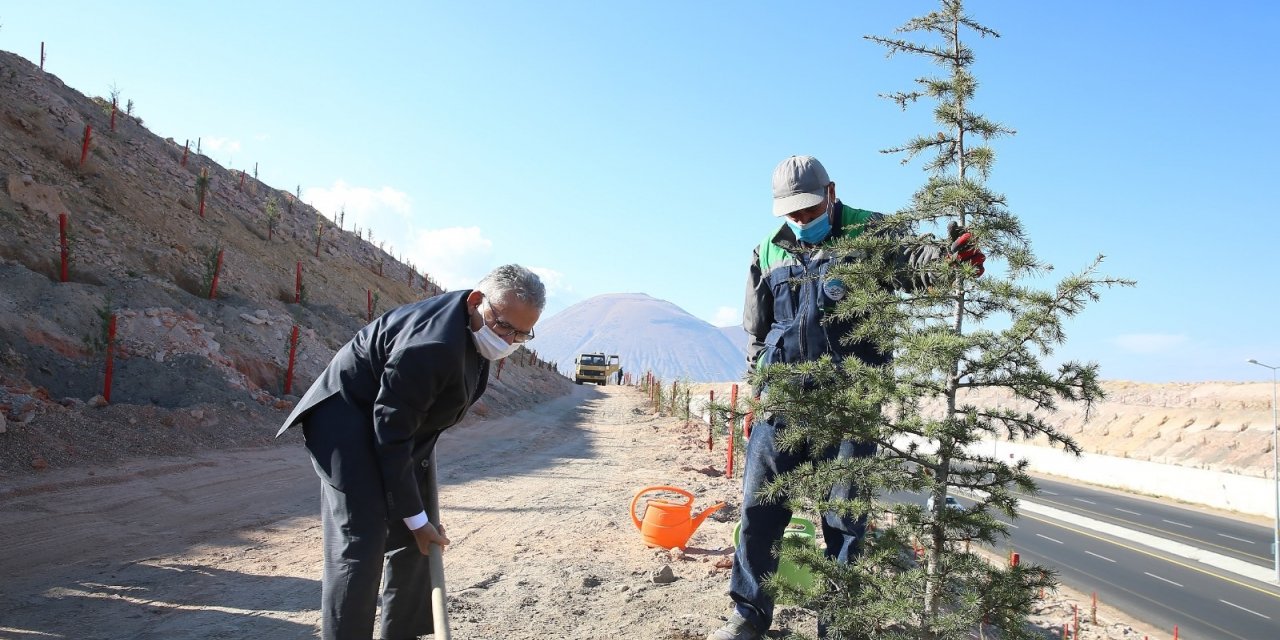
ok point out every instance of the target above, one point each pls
(228, 545)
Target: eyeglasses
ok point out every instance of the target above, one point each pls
(505, 329)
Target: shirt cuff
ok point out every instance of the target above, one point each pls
(416, 522)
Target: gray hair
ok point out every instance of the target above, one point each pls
(513, 279)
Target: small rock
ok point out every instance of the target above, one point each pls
(662, 576)
(97, 402)
(251, 319)
(28, 180)
(39, 464)
(133, 420)
(591, 581)
(198, 414)
(262, 313)
(238, 406)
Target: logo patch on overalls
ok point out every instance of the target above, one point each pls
(834, 289)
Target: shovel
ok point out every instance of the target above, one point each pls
(439, 599)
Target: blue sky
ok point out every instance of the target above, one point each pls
(627, 146)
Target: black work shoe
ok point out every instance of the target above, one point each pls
(737, 628)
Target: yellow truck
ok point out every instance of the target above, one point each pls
(595, 367)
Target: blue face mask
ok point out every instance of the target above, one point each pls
(814, 231)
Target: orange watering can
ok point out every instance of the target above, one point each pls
(668, 524)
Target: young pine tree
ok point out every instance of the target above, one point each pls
(916, 576)
(273, 217)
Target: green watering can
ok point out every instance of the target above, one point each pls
(799, 532)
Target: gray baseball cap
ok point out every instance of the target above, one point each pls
(799, 182)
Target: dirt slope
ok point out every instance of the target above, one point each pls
(190, 373)
(227, 545)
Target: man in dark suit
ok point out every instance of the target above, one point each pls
(371, 421)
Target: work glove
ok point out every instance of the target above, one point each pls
(964, 248)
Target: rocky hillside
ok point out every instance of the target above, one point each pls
(190, 369)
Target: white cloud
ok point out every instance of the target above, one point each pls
(383, 209)
(220, 145)
(554, 281)
(1150, 343)
(455, 257)
(727, 316)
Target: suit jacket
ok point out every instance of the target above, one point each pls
(403, 379)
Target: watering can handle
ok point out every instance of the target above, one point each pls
(635, 520)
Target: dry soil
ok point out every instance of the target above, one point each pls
(227, 544)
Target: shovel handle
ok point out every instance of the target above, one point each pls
(439, 598)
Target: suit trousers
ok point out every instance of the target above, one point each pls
(361, 541)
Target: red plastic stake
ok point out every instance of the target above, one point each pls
(42, 56)
(1093, 612)
(1075, 626)
(62, 233)
(113, 114)
(293, 352)
(1175, 632)
(746, 425)
(369, 293)
(241, 187)
(186, 147)
(84, 147)
(111, 348)
(1064, 631)
(217, 270)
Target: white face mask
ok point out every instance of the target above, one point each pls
(491, 345)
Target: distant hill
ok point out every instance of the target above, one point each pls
(649, 334)
(738, 337)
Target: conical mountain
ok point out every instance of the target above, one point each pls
(649, 334)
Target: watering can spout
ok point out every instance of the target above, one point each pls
(697, 520)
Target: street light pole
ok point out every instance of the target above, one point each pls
(1275, 466)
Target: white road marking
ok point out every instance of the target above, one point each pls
(1048, 538)
(1164, 579)
(1177, 523)
(1098, 556)
(1084, 501)
(1048, 493)
(1128, 511)
(1235, 538)
(1244, 609)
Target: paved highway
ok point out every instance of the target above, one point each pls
(1163, 590)
(1232, 538)
(1160, 589)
